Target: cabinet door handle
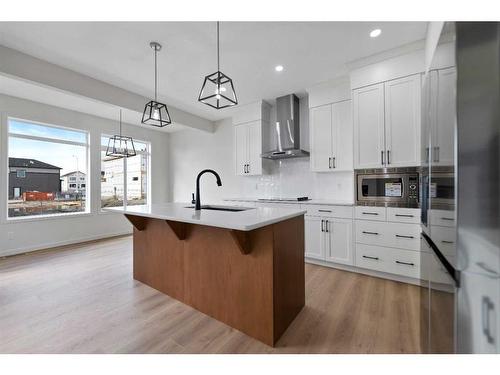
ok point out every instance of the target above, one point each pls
(445, 241)
(324, 210)
(369, 213)
(405, 263)
(404, 215)
(486, 307)
(403, 236)
(374, 233)
(427, 154)
(248, 168)
(326, 226)
(369, 257)
(329, 163)
(244, 168)
(382, 157)
(437, 153)
(322, 227)
(388, 156)
(447, 218)
(334, 162)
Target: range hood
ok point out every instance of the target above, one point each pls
(287, 130)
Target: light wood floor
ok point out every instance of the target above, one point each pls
(82, 299)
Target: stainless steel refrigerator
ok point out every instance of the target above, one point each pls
(460, 192)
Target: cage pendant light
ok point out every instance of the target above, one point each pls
(156, 113)
(120, 146)
(218, 89)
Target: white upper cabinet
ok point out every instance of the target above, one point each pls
(387, 124)
(241, 148)
(321, 138)
(250, 123)
(369, 133)
(331, 137)
(254, 148)
(402, 121)
(342, 136)
(443, 152)
(248, 148)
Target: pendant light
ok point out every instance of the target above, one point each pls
(120, 146)
(156, 113)
(218, 90)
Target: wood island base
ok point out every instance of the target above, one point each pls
(250, 280)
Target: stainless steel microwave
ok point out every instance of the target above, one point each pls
(392, 187)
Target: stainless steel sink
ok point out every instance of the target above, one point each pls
(223, 208)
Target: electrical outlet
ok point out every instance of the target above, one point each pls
(10, 235)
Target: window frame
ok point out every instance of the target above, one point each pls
(9, 135)
(125, 173)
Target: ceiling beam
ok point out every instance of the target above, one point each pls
(28, 68)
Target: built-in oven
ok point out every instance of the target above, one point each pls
(392, 187)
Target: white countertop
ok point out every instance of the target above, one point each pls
(327, 202)
(253, 218)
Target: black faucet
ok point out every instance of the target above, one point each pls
(219, 183)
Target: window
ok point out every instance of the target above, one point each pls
(83, 186)
(72, 186)
(125, 181)
(38, 156)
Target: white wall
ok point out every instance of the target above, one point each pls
(190, 151)
(32, 234)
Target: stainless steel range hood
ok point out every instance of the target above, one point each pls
(287, 130)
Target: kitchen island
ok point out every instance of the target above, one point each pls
(241, 266)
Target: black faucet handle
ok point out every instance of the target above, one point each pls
(193, 201)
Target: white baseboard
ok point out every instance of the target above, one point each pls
(382, 275)
(49, 245)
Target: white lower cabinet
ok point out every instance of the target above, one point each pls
(329, 239)
(338, 241)
(314, 246)
(389, 260)
(389, 242)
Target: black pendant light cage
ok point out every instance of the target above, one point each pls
(120, 146)
(218, 89)
(156, 113)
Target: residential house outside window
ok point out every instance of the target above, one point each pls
(125, 177)
(37, 155)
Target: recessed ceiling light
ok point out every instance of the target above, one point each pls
(278, 68)
(375, 33)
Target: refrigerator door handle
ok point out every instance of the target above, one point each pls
(490, 272)
(486, 307)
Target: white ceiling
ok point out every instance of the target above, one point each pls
(118, 53)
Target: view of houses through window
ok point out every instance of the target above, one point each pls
(47, 169)
(124, 181)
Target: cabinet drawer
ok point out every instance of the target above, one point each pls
(404, 236)
(394, 261)
(343, 212)
(403, 215)
(370, 213)
(371, 257)
(401, 236)
(372, 233)
(404, 263)
(445, 239)
(442, 218)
